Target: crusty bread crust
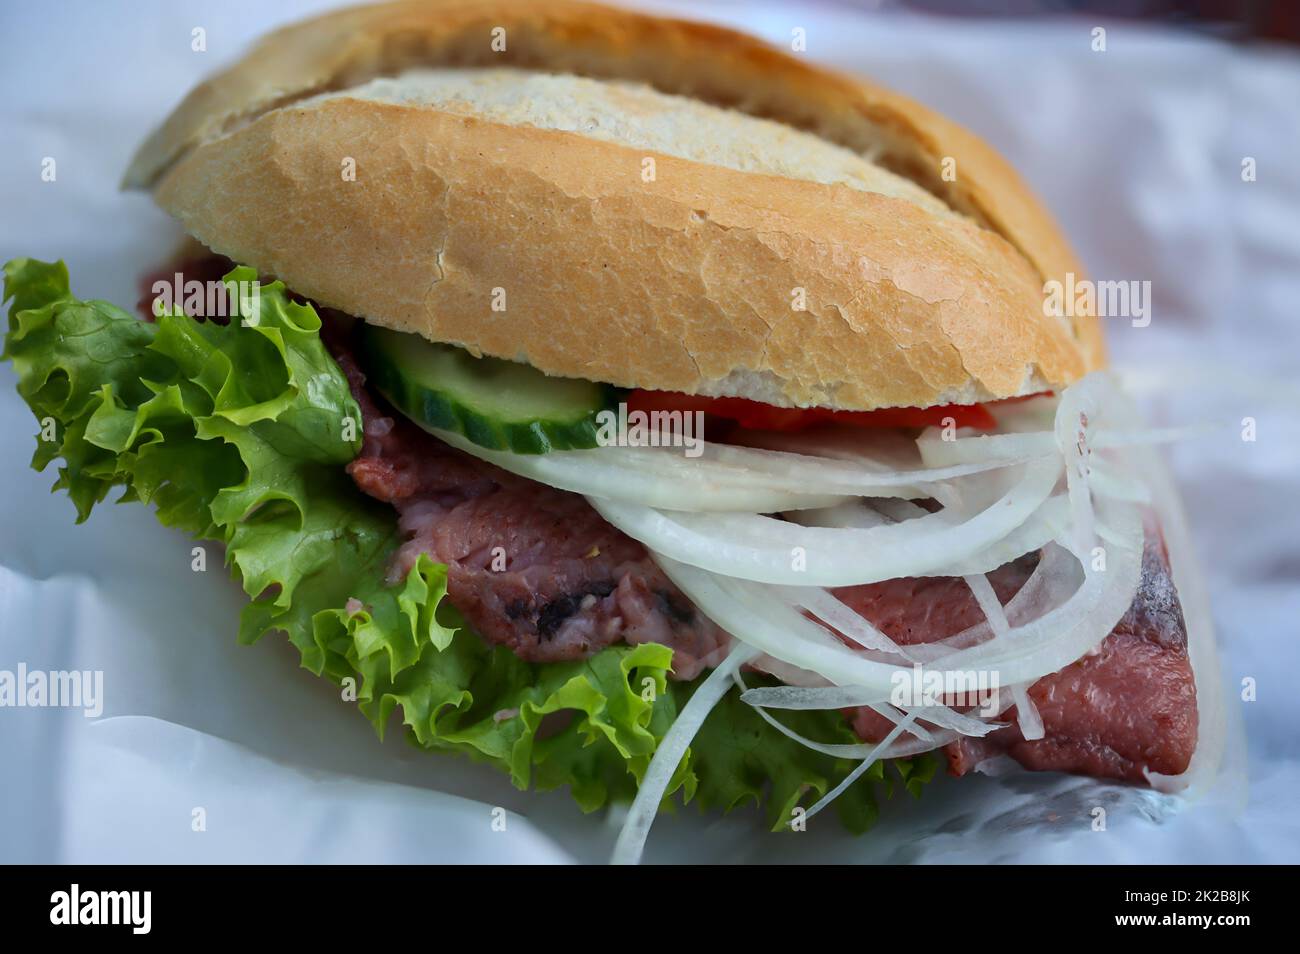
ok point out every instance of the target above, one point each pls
(687, 282)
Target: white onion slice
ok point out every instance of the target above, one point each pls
(767, 550)
(865, 764)
(937, 452)
(1064, 634)
(922, 741)
(649, 476)
(856, 514)
(725, 478)
(1028, 414)
(1108, 479)
(1077, 417)
(989, 603)
(899, 510)
(759, 618)
(1026, 653)
(788, 674)
(1054, 579)
(668, 755)
(1046, 524)
(905, 748)
(837, 750)
(896, 716)
(1031, 723)
(1016, 447)
(874, 448)
(859, 475)
(830, 610)
(845, 697)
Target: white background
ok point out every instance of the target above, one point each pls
(1137, 150)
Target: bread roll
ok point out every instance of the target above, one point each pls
(627, 199)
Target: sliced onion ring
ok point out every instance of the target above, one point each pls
(668, 755)
(767, 550)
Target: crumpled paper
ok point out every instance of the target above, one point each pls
(207, 751)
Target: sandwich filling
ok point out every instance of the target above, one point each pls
(569, 584)
(805, 595)
(541, 571)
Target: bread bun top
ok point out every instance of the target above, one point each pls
(624, 198)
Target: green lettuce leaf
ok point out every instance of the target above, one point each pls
(240, 432)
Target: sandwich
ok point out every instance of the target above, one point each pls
(642, 410)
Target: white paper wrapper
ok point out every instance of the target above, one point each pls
(1138, 150)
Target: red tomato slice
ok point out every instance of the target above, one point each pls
(766, 417)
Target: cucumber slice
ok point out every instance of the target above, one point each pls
(502, 405)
